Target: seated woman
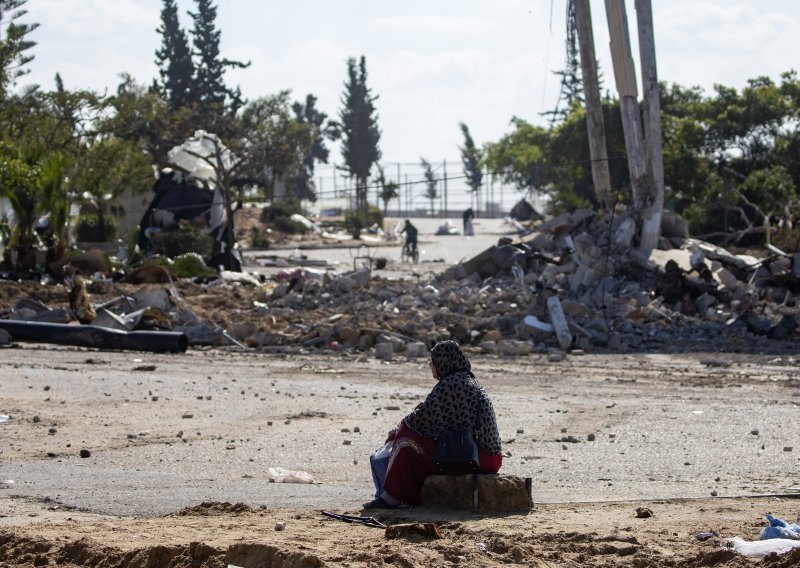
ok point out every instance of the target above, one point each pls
(456, 402)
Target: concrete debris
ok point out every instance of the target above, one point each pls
(575, 283)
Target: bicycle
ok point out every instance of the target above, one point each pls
(410, 252)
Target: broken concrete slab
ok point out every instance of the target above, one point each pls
(153, 297)
(416, 350)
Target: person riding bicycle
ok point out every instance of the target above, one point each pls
(411, 237)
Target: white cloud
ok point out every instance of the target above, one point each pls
(89, 20)
(705, 43)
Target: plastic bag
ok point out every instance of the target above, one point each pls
(760, 548)
(280, 475)
(778, 528)
(379, 463)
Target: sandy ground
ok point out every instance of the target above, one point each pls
(179, 448)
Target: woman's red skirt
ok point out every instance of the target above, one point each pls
(412, 462)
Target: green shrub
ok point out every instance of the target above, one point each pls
(88, 229)
(259, 239)
(279, 216)
(283, 208)
(190, 265)
(354, 221)
(187, 238)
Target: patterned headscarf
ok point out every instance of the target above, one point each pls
(449, 358)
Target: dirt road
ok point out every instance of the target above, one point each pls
(165, 433)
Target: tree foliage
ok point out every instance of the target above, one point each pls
(730, 161)
(388, 190)
(14, 43)
(321, 129)
(276, 143)
(431, 182)
(359, 128)
(209, 86)
(174, 59)
(471, 160)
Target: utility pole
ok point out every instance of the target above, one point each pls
(651, 215)
(408, 198)
(598, 150)
(444, 185)
(641, 181)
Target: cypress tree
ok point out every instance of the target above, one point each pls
(210, 88)
(471, 160)
(174, 59)
(360, 132)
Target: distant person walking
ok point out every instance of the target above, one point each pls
(467, 217)
(410, 246)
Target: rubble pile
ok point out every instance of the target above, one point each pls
(577, 268)
(574, 284)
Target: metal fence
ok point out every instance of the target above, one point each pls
(335, 190)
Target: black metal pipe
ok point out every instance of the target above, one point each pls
(95, 336)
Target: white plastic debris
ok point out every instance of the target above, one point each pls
(201, 156)
(761, 548)
(281, 475)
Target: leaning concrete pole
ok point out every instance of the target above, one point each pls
(651, 215)
(598, 150)
(625, 76)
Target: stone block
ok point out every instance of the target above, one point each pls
(365, 341)
(727, 279)
(514, 347)
(625, 233)
(384, 351)
(416, 349)
(478, 492)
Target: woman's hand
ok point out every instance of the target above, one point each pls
(392, 433)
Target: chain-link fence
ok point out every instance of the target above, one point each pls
(336, 191)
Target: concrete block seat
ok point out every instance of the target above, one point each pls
(478, 492)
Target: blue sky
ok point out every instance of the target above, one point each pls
(432, 63)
